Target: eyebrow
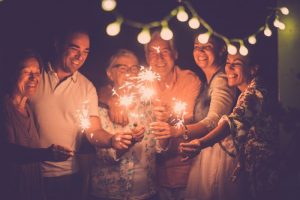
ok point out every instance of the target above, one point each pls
(78, 47)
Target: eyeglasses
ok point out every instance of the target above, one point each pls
(125, 68)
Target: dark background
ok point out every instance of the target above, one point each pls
(32, 23)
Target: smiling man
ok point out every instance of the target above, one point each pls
(63, 94)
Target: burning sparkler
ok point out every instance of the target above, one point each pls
(83, 116)
(179, 110)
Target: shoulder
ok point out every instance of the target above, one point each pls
(187, 76)
(83, 81)
(219, 78)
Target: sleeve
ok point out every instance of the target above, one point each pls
(190, 91)
(222, 98)
(93, 100)
(244, 115)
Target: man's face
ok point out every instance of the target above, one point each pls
(75, 52)
(160, 56)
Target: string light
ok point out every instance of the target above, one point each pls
(232, 50)
(182, 16)
(252, 39)
(166, 32)
(203, 38)
(144, 36)
(267, 31)
(243, 49)
(194, 23)
(284, 10)
(108, 5)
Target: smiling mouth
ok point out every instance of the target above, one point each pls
(231, 76)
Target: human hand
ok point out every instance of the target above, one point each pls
(116, 112)
(137, 133)
(57, 153)
(161, 111)
(189, 150)
(162, 130)
(121, 141)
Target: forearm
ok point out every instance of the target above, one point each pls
(217, 134)
(100, 138)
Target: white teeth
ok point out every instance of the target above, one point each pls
(231, 75)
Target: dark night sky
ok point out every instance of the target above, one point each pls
(32, 23)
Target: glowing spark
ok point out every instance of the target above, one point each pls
(179, 110)
(126, 100)
(83, 116)
(146, 93)
(157, 49)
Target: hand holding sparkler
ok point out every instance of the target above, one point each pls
(117, 112)
(162, 130)
(190, 149)
(161, 111)
(121, 141)
(137, 133)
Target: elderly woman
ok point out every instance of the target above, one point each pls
(130, 173)
(20, 141)
(252, 131)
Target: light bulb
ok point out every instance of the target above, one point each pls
(243, 50)
(281, 26)
(166, 33)
(113, 29)
(182, 16)
(108, 5)
(276, 23)
(203, 38)
(144, 36)
(194, 23)
(252, 39)
(284, 10)
(232, 50)
(267, 31)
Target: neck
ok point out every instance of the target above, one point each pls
(242, 87)
(19, 102)
(210, 71)
(61, 74)
(168, 79)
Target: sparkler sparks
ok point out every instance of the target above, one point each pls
(157, 49)
(179, 110)
(83, 116)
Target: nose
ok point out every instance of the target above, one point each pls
(79, 56)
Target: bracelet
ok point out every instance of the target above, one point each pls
(185, 135)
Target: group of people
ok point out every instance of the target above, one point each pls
(225, 149)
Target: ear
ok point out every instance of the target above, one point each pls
(109, 75)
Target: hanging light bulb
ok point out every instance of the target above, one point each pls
(243, 50)
(252, 39)
(194, 23)
(203, 38)
(114, 28)
(232, 50)
(182, 16)
(166, 32)
(144, 36)
(108, 5)
(284, 10)
(267, 31)
(279, 24)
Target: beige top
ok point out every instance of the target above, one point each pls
(57, 106)
(185, 87)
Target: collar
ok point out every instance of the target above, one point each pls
(51, 71)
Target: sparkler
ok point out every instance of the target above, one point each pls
(179, 110)
(83, 116)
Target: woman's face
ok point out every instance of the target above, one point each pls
(204, 54)
(29, 77)
(236, 70)
(124, 66)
